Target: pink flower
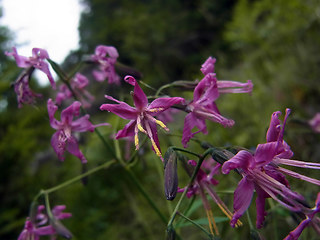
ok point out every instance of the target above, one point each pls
(63, 139)
(106, 57)
(37, 60)
(78, 85)
(203, 105)
(33, 230)
(142, 115)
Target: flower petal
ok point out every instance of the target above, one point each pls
(139, 97)
(265, 153)
(260, 205)
(122, 109)
(161, 104)
(52, 108)
(242, 199)
(73, 148)
(190, 122)
(242, 159)
(58, 142)
(127, 131)
(68, 113)
(208, 66)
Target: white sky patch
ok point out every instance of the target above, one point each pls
(48, 24)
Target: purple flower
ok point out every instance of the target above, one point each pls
(33, 230)
(203, 105)
(309, 220)
(63, 139)
(261, 171)
(36, 61)
(258, 174)
(315, 123)
(106, 57)
(78, 85)
(142, 115)
(21, 87)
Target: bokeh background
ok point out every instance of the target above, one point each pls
(276, 44)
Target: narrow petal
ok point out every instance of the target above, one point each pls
(265, 153)
(260, 205)
(58, 142)
(122, 109)
(152, 132)
(243, 159)
(127, 131)
(22, 62)
(206, 91)
(161, 104)
(274, 127)
(139, 97)
(234, 87)
(190, 122)
(208, 66)
(52, 108)
(242, 199)
(73, 148)
(82, 124)
(68, 113)
(40, 53)
(295, 234)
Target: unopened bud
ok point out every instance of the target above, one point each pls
(171, 234)
(170, 174)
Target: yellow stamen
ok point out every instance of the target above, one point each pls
(161, 124)
(141, 128)
(156, 149)
(212, 222)
(136, 141)
(229, 214)
(155, 109)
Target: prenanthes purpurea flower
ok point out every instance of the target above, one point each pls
(63, 139)
(37, 60)
(142, 115)
(203, 105)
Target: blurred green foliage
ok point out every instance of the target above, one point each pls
(275, 44)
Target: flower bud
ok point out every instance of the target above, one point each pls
(170, 174)
(171, 234)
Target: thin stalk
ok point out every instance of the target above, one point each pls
(196, 224)
(186, 151)
(146, 196)
(195, 172)
(77, 178)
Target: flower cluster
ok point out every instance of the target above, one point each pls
(261, 170)
(43, 226)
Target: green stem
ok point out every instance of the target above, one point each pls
(186, 151)
(196, 224)
(77, 178)
(195, 172)
(146, 196)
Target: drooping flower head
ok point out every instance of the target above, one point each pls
(78, 85)
(106, 57)
(41, 226)
(203, 105)
(63, 139)
(37, 60)
(142, 115)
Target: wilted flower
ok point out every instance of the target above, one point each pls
(41, 226)
(142, 115)
(78, 85)
(37, 60)
(203, 105)
(63, 139)
(106, 57)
